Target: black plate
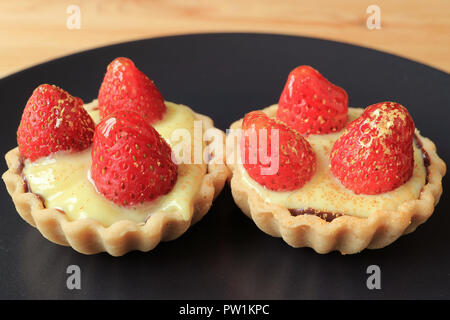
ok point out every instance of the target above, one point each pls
(226, 255)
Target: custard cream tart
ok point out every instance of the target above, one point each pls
(55, 194)
(326, 216)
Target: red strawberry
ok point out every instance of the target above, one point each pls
(293, 154)
(311, 104)
(52, 121)
(131, 162)
(375, 153)
(125, 87)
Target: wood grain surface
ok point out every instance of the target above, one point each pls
(34, 31)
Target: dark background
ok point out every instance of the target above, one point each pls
(225, 256)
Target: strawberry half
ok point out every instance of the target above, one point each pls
(375, 154)
(125, 87)
(131, 162)
(52, 121)
(311, 104)
(293, 154)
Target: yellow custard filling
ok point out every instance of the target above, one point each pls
(62, 179)
(325, 193)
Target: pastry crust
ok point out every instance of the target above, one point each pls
(88, 236)
(347, 234)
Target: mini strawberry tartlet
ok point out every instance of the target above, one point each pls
(104, 176)
(335, 178)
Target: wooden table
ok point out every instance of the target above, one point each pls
(33, 31)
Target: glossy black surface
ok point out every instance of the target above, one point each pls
(226, 255)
